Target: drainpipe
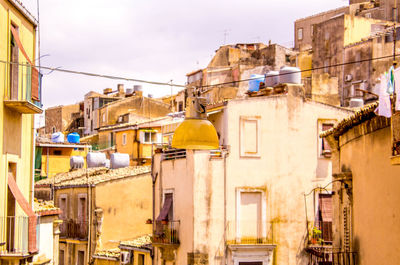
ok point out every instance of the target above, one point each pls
(33, 162)
(154, 179)
(225, 153)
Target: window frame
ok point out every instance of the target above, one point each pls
(321, 123)
(263, 220)
(242, 152)
(300, 34)
(124, 138)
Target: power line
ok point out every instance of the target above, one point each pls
(97, 75)
(205, 86)
(301, 71)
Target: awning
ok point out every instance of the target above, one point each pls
(325, 206)
(19, 197)
(165, 209)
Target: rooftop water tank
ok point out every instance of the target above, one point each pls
(137, 88)
(119, 160)
(271, 78)
(356, 103)
(254, 84)
(76, 162)
(129, 91)
(96, 159)
(57, 137)
(73, 138)
(290, 75)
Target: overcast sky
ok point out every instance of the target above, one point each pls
(152, 39)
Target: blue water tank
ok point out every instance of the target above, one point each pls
(57, 137)
(73, 138)
(254, 84)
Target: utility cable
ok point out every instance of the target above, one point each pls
(301, 71)
(96, 75)
(205, 86)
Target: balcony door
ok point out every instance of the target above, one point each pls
(10, 219)
(14, 67)
(250, 217)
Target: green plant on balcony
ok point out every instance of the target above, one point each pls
(316, 236)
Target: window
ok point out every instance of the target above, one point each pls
(167, 211)
(57, 152)
(111, 139)
(249, 136)
(325, 148)
(61, 257)
(140, 259)
(53, 129)
(312, 30)
(82, 208)
(180, 106)
(300, 34)
(63, 205)
(368, 15)
(150, 137)
(104, 117)
(124, 139)
(81, 257)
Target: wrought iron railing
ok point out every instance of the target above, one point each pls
(14, 235)
(328, 256)
(166, 232)
(249, 232)
(74, 229)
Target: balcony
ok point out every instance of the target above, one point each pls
(14, 236)
(166, 233)
(18, 95)
(74, 229)
(166, 238)
(249, 233)
(328, 256)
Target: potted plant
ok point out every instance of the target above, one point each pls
(149, 221)
(316, 236)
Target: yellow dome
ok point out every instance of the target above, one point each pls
(195, 134)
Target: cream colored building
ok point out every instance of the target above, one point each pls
(245, 203)
(366, 170)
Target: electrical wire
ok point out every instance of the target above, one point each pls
(301, 71)
(97, 75)
(203, 86)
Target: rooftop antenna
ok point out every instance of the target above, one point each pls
(226, 33)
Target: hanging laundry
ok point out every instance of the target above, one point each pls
(390, 81)
(397, 87)
(384, 98)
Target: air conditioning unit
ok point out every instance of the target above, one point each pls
(125, 257)
(348, 78)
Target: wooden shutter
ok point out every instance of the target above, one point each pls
(325, 145)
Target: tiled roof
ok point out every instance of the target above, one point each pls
(45, 208)
(93, 176)
(108, 253)
(138, 242)
(358, 117)
(139, 124)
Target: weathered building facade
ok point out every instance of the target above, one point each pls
(100, 208)
(67, 118)
(20, 98)
(245, 202)
(365, 180)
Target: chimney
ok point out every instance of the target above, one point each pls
(107, 91)
(121, 90)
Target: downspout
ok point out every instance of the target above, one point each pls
(89, 200)
(33, 162)
(225, 224)
(154, 179)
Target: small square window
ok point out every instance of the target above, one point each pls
(325, 148)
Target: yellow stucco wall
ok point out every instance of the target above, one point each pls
(125, 215)
(304, 62)
(376, 200)
(356, 28)
(59, 163)
(16, 129)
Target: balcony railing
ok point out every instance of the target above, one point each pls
(14, 235)
(249, 232)
(18, 95)
(166, 233)
(328, 256)
(74, 229)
